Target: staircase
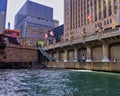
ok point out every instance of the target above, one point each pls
(44, 53)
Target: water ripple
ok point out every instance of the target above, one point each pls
(28, 82)
(34, 83)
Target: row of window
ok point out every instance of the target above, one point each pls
(105, 23)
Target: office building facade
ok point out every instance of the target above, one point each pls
(55, 35)
(34, 20)
(3, 11)
(89, 15)
(58, 32)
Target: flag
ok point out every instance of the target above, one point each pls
(89, 17)
(51, 33)
(46, 35)
(14, 34)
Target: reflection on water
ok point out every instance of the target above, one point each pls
(28, 82)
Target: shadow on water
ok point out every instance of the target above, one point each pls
(35, 82)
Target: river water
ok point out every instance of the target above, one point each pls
(36, 82)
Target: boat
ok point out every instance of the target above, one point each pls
(15, 55)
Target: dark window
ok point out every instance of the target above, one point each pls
(110, 20)
(104, 22)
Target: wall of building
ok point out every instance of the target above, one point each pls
(104, 14)
(34, 10)
(3, 9)
(58, 33)
(16, 53)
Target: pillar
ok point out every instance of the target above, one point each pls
(58, 56)
(66, 56)
(89, 54)
(75, 55)
(105, 53)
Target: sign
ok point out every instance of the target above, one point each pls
(40, 42)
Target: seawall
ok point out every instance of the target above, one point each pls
(98, 66)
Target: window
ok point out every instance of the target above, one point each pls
(107, 21)
(104, 22)
(110, 20)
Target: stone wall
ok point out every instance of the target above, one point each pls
(99, 66)
(19, 54)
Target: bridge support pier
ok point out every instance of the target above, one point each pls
(75, 55)
(105, 53)
(66, 56)
(89, 54)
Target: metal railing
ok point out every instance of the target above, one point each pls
(44, 53)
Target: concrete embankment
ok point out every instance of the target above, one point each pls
(99, 66)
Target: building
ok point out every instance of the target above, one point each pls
(3, 9)
(58, 32)
(34, 20)
(56, 23)
(89, 15)
(55, 35)
(91, 32)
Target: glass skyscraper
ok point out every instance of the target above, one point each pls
(3, 9)
(3, 5)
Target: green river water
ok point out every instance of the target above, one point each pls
(37, 82)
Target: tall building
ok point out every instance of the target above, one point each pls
(34, 20)
(58, 32)
(89, 16)
(55, 35)
(3, 10)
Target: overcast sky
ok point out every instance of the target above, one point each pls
(15, 5)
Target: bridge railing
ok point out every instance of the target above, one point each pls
(88, 37)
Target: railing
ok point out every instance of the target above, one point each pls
(44, 53)
(89, 37)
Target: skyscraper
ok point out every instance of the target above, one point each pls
(89, 16)
(3, 9)
(58, 33)
(34, 20)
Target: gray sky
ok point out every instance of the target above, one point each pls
(15, 5)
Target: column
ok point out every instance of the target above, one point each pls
(58, 56)
(75, 55)
(89, 54)
(105, 53)
(93, 10)
(102, 8)
(107, 10)
(97, 9)
(66, 56)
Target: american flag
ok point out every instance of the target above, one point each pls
(51, 33)
(89, 17)
(14, 34)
